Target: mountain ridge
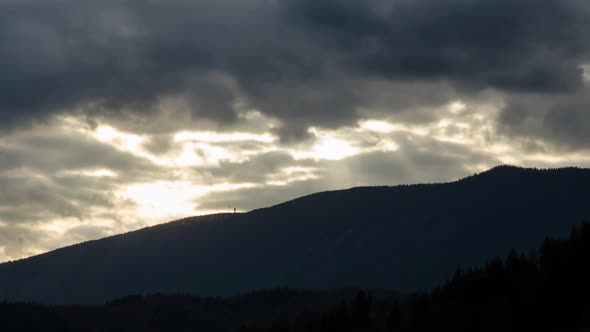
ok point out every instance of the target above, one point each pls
(193, 218)
(373, 237)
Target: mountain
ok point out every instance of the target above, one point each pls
(407, 237)
(171, 312)
(544, 290)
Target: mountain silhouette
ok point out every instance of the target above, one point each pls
(406, 237)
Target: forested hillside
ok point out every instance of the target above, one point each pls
(404, 237)
(542, 290)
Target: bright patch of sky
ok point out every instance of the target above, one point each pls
(135, 186)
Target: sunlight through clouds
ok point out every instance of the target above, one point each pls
(289, 175)
(164, 199)
(126, 142)
(194, 171)
(57, 226)
(378, 126)
(457, 107)
(211, 137)
(343, 143)
(328, 148)
(97, 173)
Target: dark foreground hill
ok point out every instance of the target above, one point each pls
(403, 237)
(170, 312)
(546, 290)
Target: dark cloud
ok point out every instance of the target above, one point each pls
(54, 151)
(30, 195)
(512, 45)
(68, 53)
(304, 61)
(45, 171)
(560, 120)
(568, 122)
(255, 169)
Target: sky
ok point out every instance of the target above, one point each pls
(117, 115)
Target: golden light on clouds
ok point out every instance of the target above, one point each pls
(172, 199)
(162, 199)
(457, 107)
(377, 126)
(471, 125)
(327, 148)
(57, 226)
(126, 142)
(95, 173)
(193, 171)
(211, 137)
(289, 175)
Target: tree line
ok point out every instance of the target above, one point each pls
(543, 290)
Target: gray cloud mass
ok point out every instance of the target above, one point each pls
(303, 61)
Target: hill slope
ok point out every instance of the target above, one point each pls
(403, 237)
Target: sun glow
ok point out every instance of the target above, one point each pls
(59, 226)
(191, 155)
(126, 142)
(377, 126)
(211, 137)
(94, 173)
(164, 199)
(327, 148)
(457, 107)
(326, 145)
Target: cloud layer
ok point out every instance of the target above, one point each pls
(306, 62)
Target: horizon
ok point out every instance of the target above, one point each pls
(222, 213)
(115, 116)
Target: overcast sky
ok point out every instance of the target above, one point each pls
(116, 115)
